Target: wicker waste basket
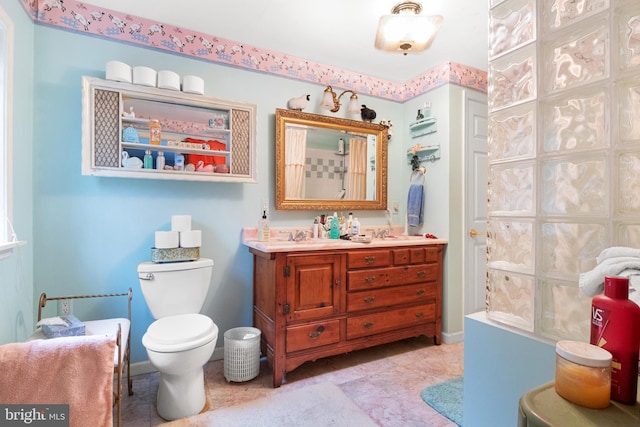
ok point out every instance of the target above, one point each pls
(241, 354)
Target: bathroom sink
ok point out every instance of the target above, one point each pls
(404, 238)
(308, 242)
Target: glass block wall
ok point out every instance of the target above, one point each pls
(564, 154)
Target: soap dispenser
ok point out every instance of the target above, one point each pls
(334, 231)
(263, 228)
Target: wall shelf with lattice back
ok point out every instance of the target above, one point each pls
(216, 138)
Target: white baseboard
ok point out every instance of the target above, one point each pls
(145, 367)
(452, 338)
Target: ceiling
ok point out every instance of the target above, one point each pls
(339, 33)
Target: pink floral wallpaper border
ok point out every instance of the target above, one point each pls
(83, 18)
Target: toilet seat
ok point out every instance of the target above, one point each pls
(181, 332)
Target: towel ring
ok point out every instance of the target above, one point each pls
(421, 171)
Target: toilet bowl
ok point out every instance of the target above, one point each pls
(178, 347)
(181, 340)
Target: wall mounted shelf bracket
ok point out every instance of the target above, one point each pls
(425, 153)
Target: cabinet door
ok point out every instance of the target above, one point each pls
(314, 286)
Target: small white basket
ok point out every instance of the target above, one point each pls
(241, 354)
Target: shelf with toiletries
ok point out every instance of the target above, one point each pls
(183, 136)
(424, 126)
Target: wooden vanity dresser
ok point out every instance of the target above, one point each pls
(318, 300)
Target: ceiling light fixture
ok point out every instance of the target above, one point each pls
(331, 102)
(405, 30)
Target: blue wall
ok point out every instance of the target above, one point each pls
(88, 234)
(16, 270)
(91, 232)
(500, 365)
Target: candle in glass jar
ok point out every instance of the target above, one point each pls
(583, 374)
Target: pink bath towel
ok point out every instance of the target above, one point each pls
(77, 371)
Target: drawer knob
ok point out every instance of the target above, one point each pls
(367, 325)
(316, 334)
(369, 300)
(370, 279)
(420, 291)
(421, 273)
(419, 315)
(369, 259)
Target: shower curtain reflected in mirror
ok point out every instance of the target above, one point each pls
(295, 152)
(357, 169)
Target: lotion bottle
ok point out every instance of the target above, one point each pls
(160, 160)
(148, 160)
(349, 222)
(615, 326)
(355, 227)
(263, 228)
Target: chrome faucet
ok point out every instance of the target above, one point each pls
(380, 233)
(300, 235)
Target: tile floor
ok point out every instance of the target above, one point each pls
(384, 381)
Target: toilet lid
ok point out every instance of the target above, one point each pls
(179, 333)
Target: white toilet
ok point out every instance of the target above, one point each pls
(181, 340)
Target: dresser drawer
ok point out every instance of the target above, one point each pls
(312, 335)
(367, 279)
(431, 253)
(374, 323)
(401, 256)
(416, 255)
(365, 300)
(368, 258)
(413, 274)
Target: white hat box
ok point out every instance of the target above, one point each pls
(144, 76)
(168, 80)
(193, 84)
(118, 71)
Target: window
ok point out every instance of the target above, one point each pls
(7, 234)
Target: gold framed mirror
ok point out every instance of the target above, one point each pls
(329, 163)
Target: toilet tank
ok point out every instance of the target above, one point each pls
(176, 287)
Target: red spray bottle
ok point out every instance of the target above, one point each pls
(615, 326)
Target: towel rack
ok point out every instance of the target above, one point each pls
(420, 172)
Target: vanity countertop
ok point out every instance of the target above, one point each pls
(279, 242)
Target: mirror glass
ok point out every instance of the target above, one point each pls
(329, 163)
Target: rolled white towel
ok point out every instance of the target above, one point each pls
(591, 283)
(617, 252)
(634, 284)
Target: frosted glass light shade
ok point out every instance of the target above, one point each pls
(406, 32)
(327, 100)
(354, 106)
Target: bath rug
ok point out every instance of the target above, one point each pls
(446, 398)
(318, 405)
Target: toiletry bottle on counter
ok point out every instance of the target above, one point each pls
(355, 227)
(154, 132)
(349, 222)
(160, 160)
(316, 228)
(334, 231)
(615, 326)
(263, 228)
(148, 160)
